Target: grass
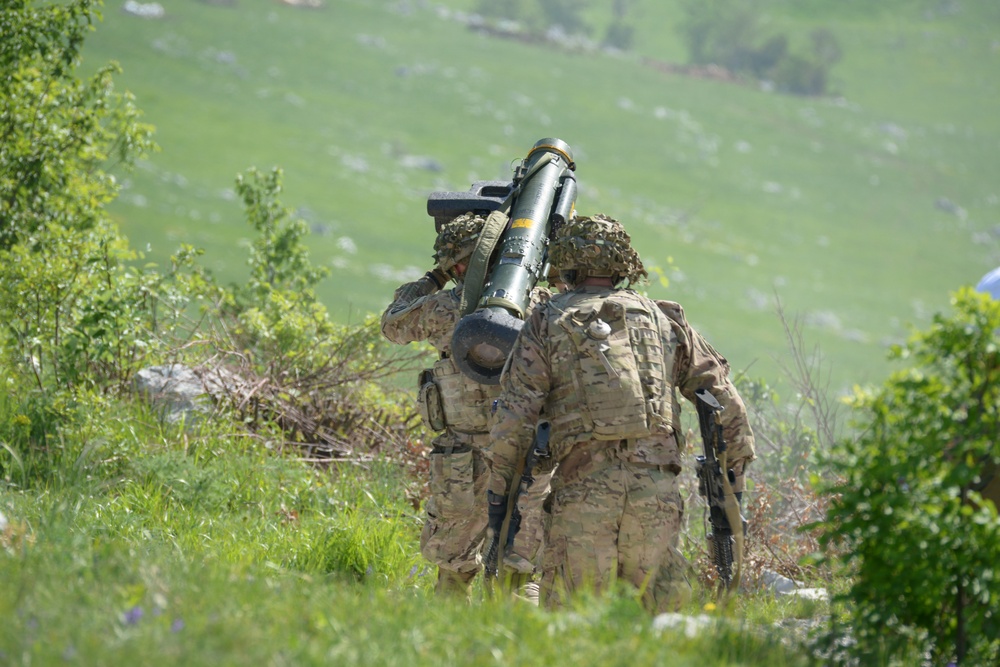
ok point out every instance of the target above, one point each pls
(131, 541)
(149, 544)
(739, 196)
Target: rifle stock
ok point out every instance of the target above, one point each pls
(512, 522)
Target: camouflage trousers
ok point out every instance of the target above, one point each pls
(620, 523)
(455, 525)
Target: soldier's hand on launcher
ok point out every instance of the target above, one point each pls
(438, 277)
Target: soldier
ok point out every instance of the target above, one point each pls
(605, 364)
(458, 407)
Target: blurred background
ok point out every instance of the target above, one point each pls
(836, 159)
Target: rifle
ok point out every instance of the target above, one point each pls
(512, 522)
(728, 526)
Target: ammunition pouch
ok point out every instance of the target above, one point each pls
(429, 401)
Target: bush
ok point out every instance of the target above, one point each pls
(61, 135)
(904, 512)
(78, 315)
(729, 33)
(318, 381)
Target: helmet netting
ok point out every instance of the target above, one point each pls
(457, 239)
(596, 246)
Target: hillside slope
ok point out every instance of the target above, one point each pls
(859, 211)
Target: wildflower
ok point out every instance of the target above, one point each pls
(177, 625)
(133, 615)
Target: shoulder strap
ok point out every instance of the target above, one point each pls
(479, 262)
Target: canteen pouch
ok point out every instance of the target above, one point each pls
(429, 401)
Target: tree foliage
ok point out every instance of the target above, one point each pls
(76, 310)
(731, 34)
(60, 136)
(919, 539)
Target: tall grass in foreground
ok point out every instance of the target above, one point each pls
(153, 545)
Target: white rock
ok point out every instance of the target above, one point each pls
(689, 625)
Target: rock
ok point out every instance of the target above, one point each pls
(152, 10)
(179, 394)
(783, 586)
(689, 625)
(817, 594)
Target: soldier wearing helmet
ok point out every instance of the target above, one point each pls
(458, 409)
(605, 365)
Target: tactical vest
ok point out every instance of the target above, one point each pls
(611, 374)
(448, 399)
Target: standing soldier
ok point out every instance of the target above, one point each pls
(459, 408)
(604, 364)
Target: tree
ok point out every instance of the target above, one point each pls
(732, 34)
(60, 136)
(905, 513)
(76, 312)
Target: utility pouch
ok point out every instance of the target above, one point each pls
(429, 401)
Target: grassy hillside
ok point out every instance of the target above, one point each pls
(859, 211)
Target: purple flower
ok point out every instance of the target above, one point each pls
(177, 625)
(413, 571)
(133, 615)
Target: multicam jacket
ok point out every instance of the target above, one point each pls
(421, 313)
(606, 365)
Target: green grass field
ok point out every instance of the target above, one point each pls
(127, 542)
(836, 206)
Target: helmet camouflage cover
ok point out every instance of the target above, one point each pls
(596, 246)
(457, 239)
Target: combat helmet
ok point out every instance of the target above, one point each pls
(595, 246)
(456, 241)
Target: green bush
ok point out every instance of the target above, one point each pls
(77, 313)
(919, 540)
(59, 135)
(731, 34)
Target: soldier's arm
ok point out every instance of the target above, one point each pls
(524, 385)
(699, 366)
(417, 309)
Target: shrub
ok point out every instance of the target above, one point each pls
(730, 33)
(918, 538)
(60, 135)
(320, 382)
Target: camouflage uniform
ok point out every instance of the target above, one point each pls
(459, 407)
(605, 365)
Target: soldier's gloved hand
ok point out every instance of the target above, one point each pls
(438, 277)
(496, 510)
